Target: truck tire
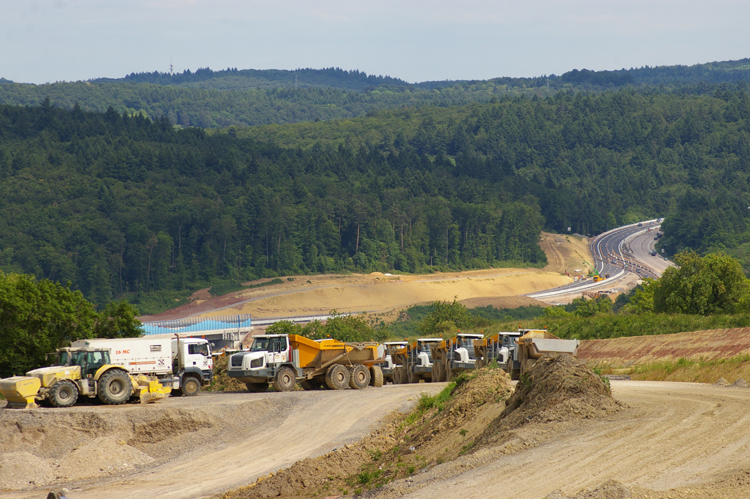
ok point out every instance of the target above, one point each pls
(376, 376)
(64, 393)
(337, 377)
(285, 380)
(257, 387)
(359, 378)
(190, 386)
(115, 387)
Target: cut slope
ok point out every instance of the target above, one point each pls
(707, 345)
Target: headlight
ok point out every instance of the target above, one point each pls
(256, 363)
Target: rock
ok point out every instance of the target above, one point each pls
(740, 383)
(721, 382)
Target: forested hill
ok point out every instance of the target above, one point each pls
(246, 79)
(120, 205)
(216, 99)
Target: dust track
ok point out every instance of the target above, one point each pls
(673, 435)
(301, 424)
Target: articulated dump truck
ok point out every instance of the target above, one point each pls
(284, 360)
(85, 371)
(517, 352)
(413, 362)
(454, 356)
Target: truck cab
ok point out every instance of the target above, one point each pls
(191, 357)
(266, 352)
(414, 361)
(461, 351)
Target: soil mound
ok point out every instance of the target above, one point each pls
(558, 388)
(740, 383)
(721, 382)
(611, 489)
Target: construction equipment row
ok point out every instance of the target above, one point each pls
(148, 369)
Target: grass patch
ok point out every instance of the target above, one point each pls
(688, 370)
(427, 402)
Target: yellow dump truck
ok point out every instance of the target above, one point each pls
(453, 356)
(414, 361)
(84, 372)
(283, 360)
(517, 352)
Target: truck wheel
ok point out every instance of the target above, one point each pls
(285, 380)
(64, 393)
(257, 387)
(479, 364)
(376, 376)
(190, 386)
(115, 387)
(337, 377)
(360, 377)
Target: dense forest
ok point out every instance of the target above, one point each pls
(121, 205)
(217, 99)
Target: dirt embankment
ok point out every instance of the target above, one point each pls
(478, 413)
(622, 352)
(566, 253)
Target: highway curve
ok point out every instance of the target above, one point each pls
(672, 435)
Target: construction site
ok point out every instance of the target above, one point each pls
(519, 414)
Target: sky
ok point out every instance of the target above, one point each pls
(44, 41)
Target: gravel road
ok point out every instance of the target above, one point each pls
(222, 440)
(672, 435)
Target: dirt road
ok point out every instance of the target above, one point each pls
(673, 435)
(236, 437)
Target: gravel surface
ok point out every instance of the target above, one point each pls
(182, 447)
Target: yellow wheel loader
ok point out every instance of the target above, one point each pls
(80, 372)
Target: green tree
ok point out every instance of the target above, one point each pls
(39, 316)
(443, 315)
(712, 284)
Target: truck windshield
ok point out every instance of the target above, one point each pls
(466, 342)
(259, 345)
(199, 349)
(424, 346)
(63, 358)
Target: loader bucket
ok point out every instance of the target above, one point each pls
(20, 391)
(151, 390)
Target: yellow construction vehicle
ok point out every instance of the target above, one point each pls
(282, 360)
(78, 372)
(414, 361)
(517, 352)
(454, 356)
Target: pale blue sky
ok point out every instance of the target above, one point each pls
(54, 40)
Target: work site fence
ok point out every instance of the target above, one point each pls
(198, 324)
